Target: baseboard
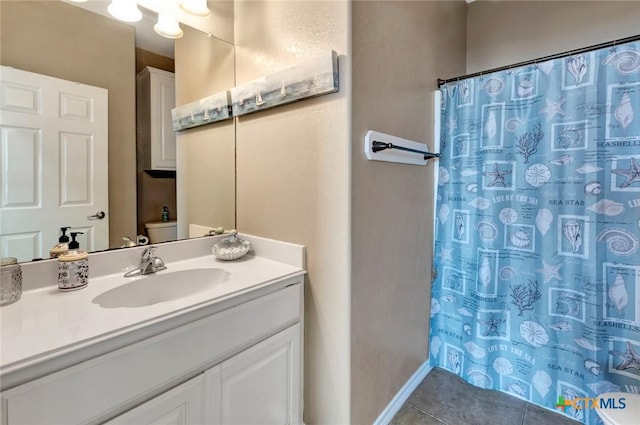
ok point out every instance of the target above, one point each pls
(401, 397)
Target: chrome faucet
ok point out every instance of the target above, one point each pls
(149, 263)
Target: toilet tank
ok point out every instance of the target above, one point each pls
(162, 231)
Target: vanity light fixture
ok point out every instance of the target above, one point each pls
(195, 7)
(125, 10)
(168, 27)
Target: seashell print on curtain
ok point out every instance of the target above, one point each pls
(537, 287)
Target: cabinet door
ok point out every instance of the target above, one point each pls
(182, 405)
(163, 139)
(261, 386)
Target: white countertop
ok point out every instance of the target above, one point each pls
(46, 323)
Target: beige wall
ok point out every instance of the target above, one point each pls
(56, 39)
(505, 32)
(293, 179)
(399, 51)
(206, 154)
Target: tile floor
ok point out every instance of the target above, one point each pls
(443, 398)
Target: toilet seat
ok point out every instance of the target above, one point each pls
(627, 416)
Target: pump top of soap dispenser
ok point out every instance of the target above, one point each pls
(64, 238)
(74, 253)
(74, 244)
(63, 244)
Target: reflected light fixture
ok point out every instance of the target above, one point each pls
(125, 10)
(167, 27)
(195, 7)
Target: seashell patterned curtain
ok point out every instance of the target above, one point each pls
(537, 288)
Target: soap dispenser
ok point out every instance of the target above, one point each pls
(73, 266)
(165, 213)
(63, 244)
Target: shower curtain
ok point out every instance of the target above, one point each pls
(537, 287)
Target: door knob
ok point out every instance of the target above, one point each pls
(97, 216)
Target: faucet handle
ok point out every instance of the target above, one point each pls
(148, 253)
(128, 242)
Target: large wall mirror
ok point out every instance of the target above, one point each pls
(58, 39)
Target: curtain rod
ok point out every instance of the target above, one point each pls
(542, 59)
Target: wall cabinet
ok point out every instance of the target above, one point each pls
(239, 366)
(155, 98)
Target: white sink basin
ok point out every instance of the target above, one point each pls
(161, 287)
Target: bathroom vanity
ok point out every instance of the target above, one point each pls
(227, 351)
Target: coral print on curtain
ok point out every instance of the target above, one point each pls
(537, 291)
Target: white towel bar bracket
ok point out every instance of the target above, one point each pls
(384, 147)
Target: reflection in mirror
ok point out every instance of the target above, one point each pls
(206, 155)
(57, 39)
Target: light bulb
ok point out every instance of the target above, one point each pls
(167, 27)
(125, 10)
(195, 7)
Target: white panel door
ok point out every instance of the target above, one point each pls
(182, 405)
(261, 386)
(53, 153)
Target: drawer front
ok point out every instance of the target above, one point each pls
(110, 384)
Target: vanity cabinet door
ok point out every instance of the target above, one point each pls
(182, 405)
(261, 385)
